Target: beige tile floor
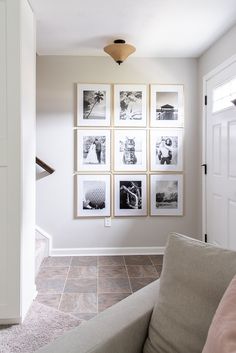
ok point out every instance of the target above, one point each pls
(86, 285)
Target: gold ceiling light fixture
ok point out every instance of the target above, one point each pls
(119, 50)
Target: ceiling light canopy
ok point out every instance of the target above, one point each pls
(119, 50)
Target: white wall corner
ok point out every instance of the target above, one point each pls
(46, 235)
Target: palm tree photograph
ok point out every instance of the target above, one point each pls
(94, 104)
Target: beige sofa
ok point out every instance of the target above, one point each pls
(120, 329)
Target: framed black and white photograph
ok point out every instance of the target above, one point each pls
(130, 105)
(166, 195)
(130, 150)
(167, 106)
(93, 196)
(93, 150)
(130, 195)
(166, 149)
(93, 105)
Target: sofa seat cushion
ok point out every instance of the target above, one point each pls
(222, 332)
(194, 278)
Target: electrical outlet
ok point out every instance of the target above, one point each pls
(107, 222)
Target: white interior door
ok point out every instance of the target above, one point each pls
(221, 158)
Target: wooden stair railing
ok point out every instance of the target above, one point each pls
(45, 166)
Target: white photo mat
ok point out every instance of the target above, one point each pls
(130, 150)
(93, 105)
(167, 106)
(130, 195)
(93, 195)
(130, 105)
(166, 149)
(166, 195)
(93, 150)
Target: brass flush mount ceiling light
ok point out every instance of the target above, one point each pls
(119, 50)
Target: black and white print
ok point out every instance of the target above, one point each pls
(93, 105)
(166, 105)
(93, 150)
(130, 105)
(93, 197)
(130, 150)
(166, 149)
(130, 195)
(166, 195)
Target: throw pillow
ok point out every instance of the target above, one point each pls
(222, 332)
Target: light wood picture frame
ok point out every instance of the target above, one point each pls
(93, 195)
(130, 150)
(167, 106)
(93, 150)
(166, 195)
(166, 149)
(93, 105)
(130, 105)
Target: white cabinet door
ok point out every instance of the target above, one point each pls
(221, 158)
(3, 164)
(17, 159)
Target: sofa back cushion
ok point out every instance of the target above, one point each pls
(222, 332)
(194, 278)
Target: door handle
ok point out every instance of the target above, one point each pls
(205, 168)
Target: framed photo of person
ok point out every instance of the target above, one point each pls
(93, 105)
(167, 106)
(130, 151)
(130, 105)
(166, 195)
(166, 149)
(93, 195)
(130, 195)
(93, 150)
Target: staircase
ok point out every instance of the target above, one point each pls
(41, 250)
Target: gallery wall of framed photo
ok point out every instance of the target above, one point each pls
(129, 150)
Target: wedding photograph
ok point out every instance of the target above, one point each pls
(130, 195)
(93, 104)
(130, 150)
(93, 150)
(130, 105)
(93, 195)
(166, 105)
(166, 195)
(166, 149)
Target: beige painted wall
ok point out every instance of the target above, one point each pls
(56, 78)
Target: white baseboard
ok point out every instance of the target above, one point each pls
(151, 250)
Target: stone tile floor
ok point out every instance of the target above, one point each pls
(86, 285)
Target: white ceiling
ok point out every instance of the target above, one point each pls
(158, 28)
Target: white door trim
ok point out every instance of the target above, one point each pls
(206, 77)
